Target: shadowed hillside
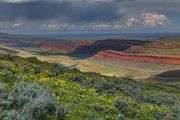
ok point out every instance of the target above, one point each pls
(109, 44)
(168, 76)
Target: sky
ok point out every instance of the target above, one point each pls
(55, 16)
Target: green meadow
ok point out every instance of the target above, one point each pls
(34, 90)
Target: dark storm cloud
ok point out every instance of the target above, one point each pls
(32, 11)
(61, 11)
(98, 13)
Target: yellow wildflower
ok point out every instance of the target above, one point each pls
(61, 82)
(53, 94)
(92, 90)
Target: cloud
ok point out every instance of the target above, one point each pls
(62, 12)
(24, 1)
(93, 25)
(88, 14)
(154, 19)
(131, 21)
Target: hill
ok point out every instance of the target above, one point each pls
(164, 77)
(123, 58)
(35, 90)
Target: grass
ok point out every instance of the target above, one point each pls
(84, 95)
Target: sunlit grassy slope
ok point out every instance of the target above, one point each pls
(35, 90)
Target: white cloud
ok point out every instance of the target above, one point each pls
(154, 19)
(53, 26)
(16, 25)
(131, 21)
(147, 19)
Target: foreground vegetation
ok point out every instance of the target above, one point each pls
(35, 90)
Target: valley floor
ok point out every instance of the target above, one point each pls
(121, 58)
(107, 64)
